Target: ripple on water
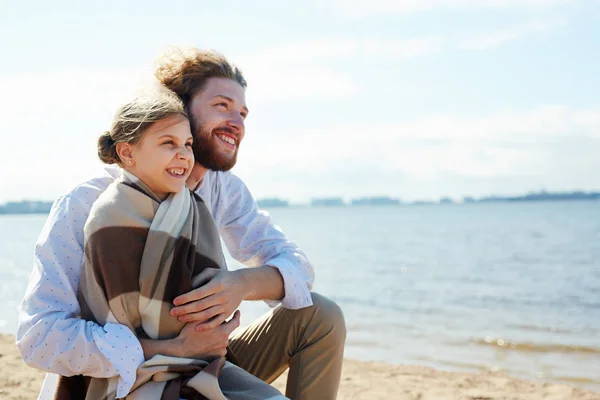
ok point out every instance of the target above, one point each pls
(528, 347)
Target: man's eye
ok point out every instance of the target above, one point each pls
(222, 104)
(188, 145)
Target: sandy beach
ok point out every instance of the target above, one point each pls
(360, 380)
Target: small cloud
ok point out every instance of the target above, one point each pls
(322, 50)
(271, 84)
(502, 36)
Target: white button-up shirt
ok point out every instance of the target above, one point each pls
(50, 335)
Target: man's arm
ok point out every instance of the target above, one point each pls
(262, 283)
(50, 335)
(281, 273)
(254, 240)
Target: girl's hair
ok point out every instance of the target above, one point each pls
(134, 118)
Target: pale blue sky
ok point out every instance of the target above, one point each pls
(412, 99)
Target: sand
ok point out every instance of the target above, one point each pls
(360, 380)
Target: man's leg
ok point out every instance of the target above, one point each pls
(310, 341)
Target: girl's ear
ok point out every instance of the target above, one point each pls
(125, 153)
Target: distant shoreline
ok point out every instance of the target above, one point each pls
(43, 207)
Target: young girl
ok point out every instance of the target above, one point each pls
(146, 240)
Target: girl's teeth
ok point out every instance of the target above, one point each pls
(177, 171)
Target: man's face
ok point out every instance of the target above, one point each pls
(217, 115)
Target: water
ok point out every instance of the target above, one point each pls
(509, 287)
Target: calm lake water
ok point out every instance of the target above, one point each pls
(513, 287)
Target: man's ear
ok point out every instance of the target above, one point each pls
(125, 153)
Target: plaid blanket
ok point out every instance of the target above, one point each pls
(141, 253)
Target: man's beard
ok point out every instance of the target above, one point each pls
(206, 151)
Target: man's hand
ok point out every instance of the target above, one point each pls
(193, 344)
(211, 303)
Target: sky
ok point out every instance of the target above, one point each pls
(415, 99)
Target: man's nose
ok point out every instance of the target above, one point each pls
(236, 121)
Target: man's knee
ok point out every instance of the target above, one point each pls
(327, 313)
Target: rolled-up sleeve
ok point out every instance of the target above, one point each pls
(254, 240)
(50, 336)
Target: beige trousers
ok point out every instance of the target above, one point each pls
(309, 341)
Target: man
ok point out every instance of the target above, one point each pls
(309, 340)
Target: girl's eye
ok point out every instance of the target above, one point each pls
(188, 145)
(168, 142)
(222, 104)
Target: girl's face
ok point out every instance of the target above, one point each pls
(163, 157)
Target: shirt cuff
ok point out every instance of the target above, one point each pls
(123, 350)
(297, 293)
